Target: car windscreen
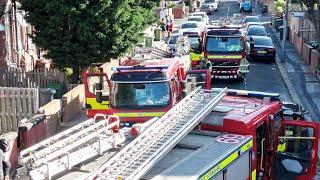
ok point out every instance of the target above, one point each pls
(188, 25)
(224, 44)
(194, 19)
(173, 39)
(203, 6)
(140, 95)
(202, 15)
(257, 31)
(251, 19)
(194, 42)
(262, 41)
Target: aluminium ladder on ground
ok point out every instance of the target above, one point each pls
(71, 147)
(135, 159)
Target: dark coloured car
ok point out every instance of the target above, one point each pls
(256, 30)
(260, 48)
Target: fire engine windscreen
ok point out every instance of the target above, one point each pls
(224, 44)
(194, 42)
(140, 95)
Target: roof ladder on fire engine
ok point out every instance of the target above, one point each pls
(71, 147)
(135, 159)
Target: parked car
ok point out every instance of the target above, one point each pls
(212, 5)
(245, 6)
(198, 19)
(204, 16)
(207, 8)
(256, 30)
(260, 48)
(190, 26)
(171, 43)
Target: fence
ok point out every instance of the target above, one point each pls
(15, 105)
(38, 78)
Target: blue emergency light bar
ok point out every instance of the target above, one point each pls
(139, 67)
(253, 94)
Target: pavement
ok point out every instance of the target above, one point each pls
(302, 85)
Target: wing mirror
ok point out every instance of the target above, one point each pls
(99, 92)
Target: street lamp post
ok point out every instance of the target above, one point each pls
(284, 33)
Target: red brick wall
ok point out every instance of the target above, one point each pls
(178, 13)
(297, 43)
(315, 58)
(306, 51)
(32, 133)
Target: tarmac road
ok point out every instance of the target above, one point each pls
(263, 76)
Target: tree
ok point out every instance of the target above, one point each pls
(76, 33)
(313, 14)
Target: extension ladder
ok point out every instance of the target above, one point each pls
(138, 157)
(71, 147)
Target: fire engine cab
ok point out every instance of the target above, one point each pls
(224, 51)
(138, 90)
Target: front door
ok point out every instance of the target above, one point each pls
(261, 145)
(97, 87)
(296, 150)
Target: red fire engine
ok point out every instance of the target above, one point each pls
(224, 52)
(138, 90)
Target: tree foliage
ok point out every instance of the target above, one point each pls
(313, 14)
(76, 33)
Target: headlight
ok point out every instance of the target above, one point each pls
(203, 59)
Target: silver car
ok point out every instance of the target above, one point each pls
(207, 8)
(171, 43)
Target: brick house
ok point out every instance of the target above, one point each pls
(16, 48)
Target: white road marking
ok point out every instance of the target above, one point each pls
(228, 12)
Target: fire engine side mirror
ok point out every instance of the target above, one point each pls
(99, 97)
(251, 46)
(99, 86)
(99, 92)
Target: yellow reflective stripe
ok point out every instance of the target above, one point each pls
(282, 147)
(226, 161)
(195, 57)
(247, 146)
(225, 57)
(140, 114)
(220, 166)
(254, 174)
(97, 106)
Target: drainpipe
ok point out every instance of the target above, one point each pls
(16, 32)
